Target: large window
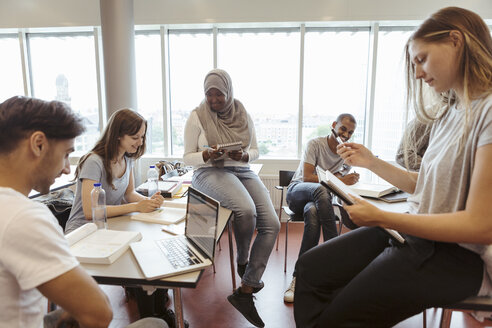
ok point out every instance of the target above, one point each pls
(264, 67)
(149, 88)
(10, 67)
(190, 58)
(389, 101)
(63, 68)
(335, 79)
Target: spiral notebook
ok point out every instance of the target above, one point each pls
(230, 146)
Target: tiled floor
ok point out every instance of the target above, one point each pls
(206, 306)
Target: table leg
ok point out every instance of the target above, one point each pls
(178, 307)
(231, 256)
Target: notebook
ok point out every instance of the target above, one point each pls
(163, 258)
(330, 181)
(163, 215)
(230, 146)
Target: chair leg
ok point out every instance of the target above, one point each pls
(286, 243)
(280, 215)
(338, 214)
(424, 316)
(445, 318)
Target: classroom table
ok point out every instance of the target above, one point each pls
(125, 271)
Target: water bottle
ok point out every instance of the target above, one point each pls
(152, 181)
(98, 198)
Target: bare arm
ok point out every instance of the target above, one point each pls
(358, 155)
(78, 294)
(143, 205)
(308, 174)
(471, 225)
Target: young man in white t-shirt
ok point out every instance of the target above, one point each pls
(36, 138)
(307, 197)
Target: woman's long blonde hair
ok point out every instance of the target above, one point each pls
(475, 65)
(122, 122)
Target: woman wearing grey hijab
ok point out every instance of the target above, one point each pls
(226, 176)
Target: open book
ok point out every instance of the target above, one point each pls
(373, 190)
(163, 215)
(90, 245)
(327, 179)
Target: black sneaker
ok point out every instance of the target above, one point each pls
(170, 318)
(244, 303)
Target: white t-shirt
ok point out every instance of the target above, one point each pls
(33, 251)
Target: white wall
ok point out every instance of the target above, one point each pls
(56, 13)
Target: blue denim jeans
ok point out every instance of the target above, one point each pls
(241, 190)
(315, 203)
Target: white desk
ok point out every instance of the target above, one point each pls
(125, 271)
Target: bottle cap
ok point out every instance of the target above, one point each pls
(152, 166)
(97, 184)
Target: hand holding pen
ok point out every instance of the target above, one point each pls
(211, 153)
(337, 137)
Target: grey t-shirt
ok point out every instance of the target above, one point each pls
(93, 169)
(318, 153)
(445, 174)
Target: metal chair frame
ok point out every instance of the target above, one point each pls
(474, 303)
(284, 180)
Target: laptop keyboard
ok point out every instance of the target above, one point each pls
(178, 252)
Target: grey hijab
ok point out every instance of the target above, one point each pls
(231, 123)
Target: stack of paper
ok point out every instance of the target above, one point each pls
(373, 190)
(163, 215)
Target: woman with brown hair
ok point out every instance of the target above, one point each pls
(111, 163)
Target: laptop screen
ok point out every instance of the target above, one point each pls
(201, 221)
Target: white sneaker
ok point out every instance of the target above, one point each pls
(289, 293)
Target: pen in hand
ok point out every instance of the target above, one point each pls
(337, 137)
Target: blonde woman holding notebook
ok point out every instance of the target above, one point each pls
(376, 283)
(226, 176)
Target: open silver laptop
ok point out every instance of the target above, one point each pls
(189, 252)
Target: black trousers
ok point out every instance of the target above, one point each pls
(361, 279)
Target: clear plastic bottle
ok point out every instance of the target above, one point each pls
(98, 202)
(152, 180)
